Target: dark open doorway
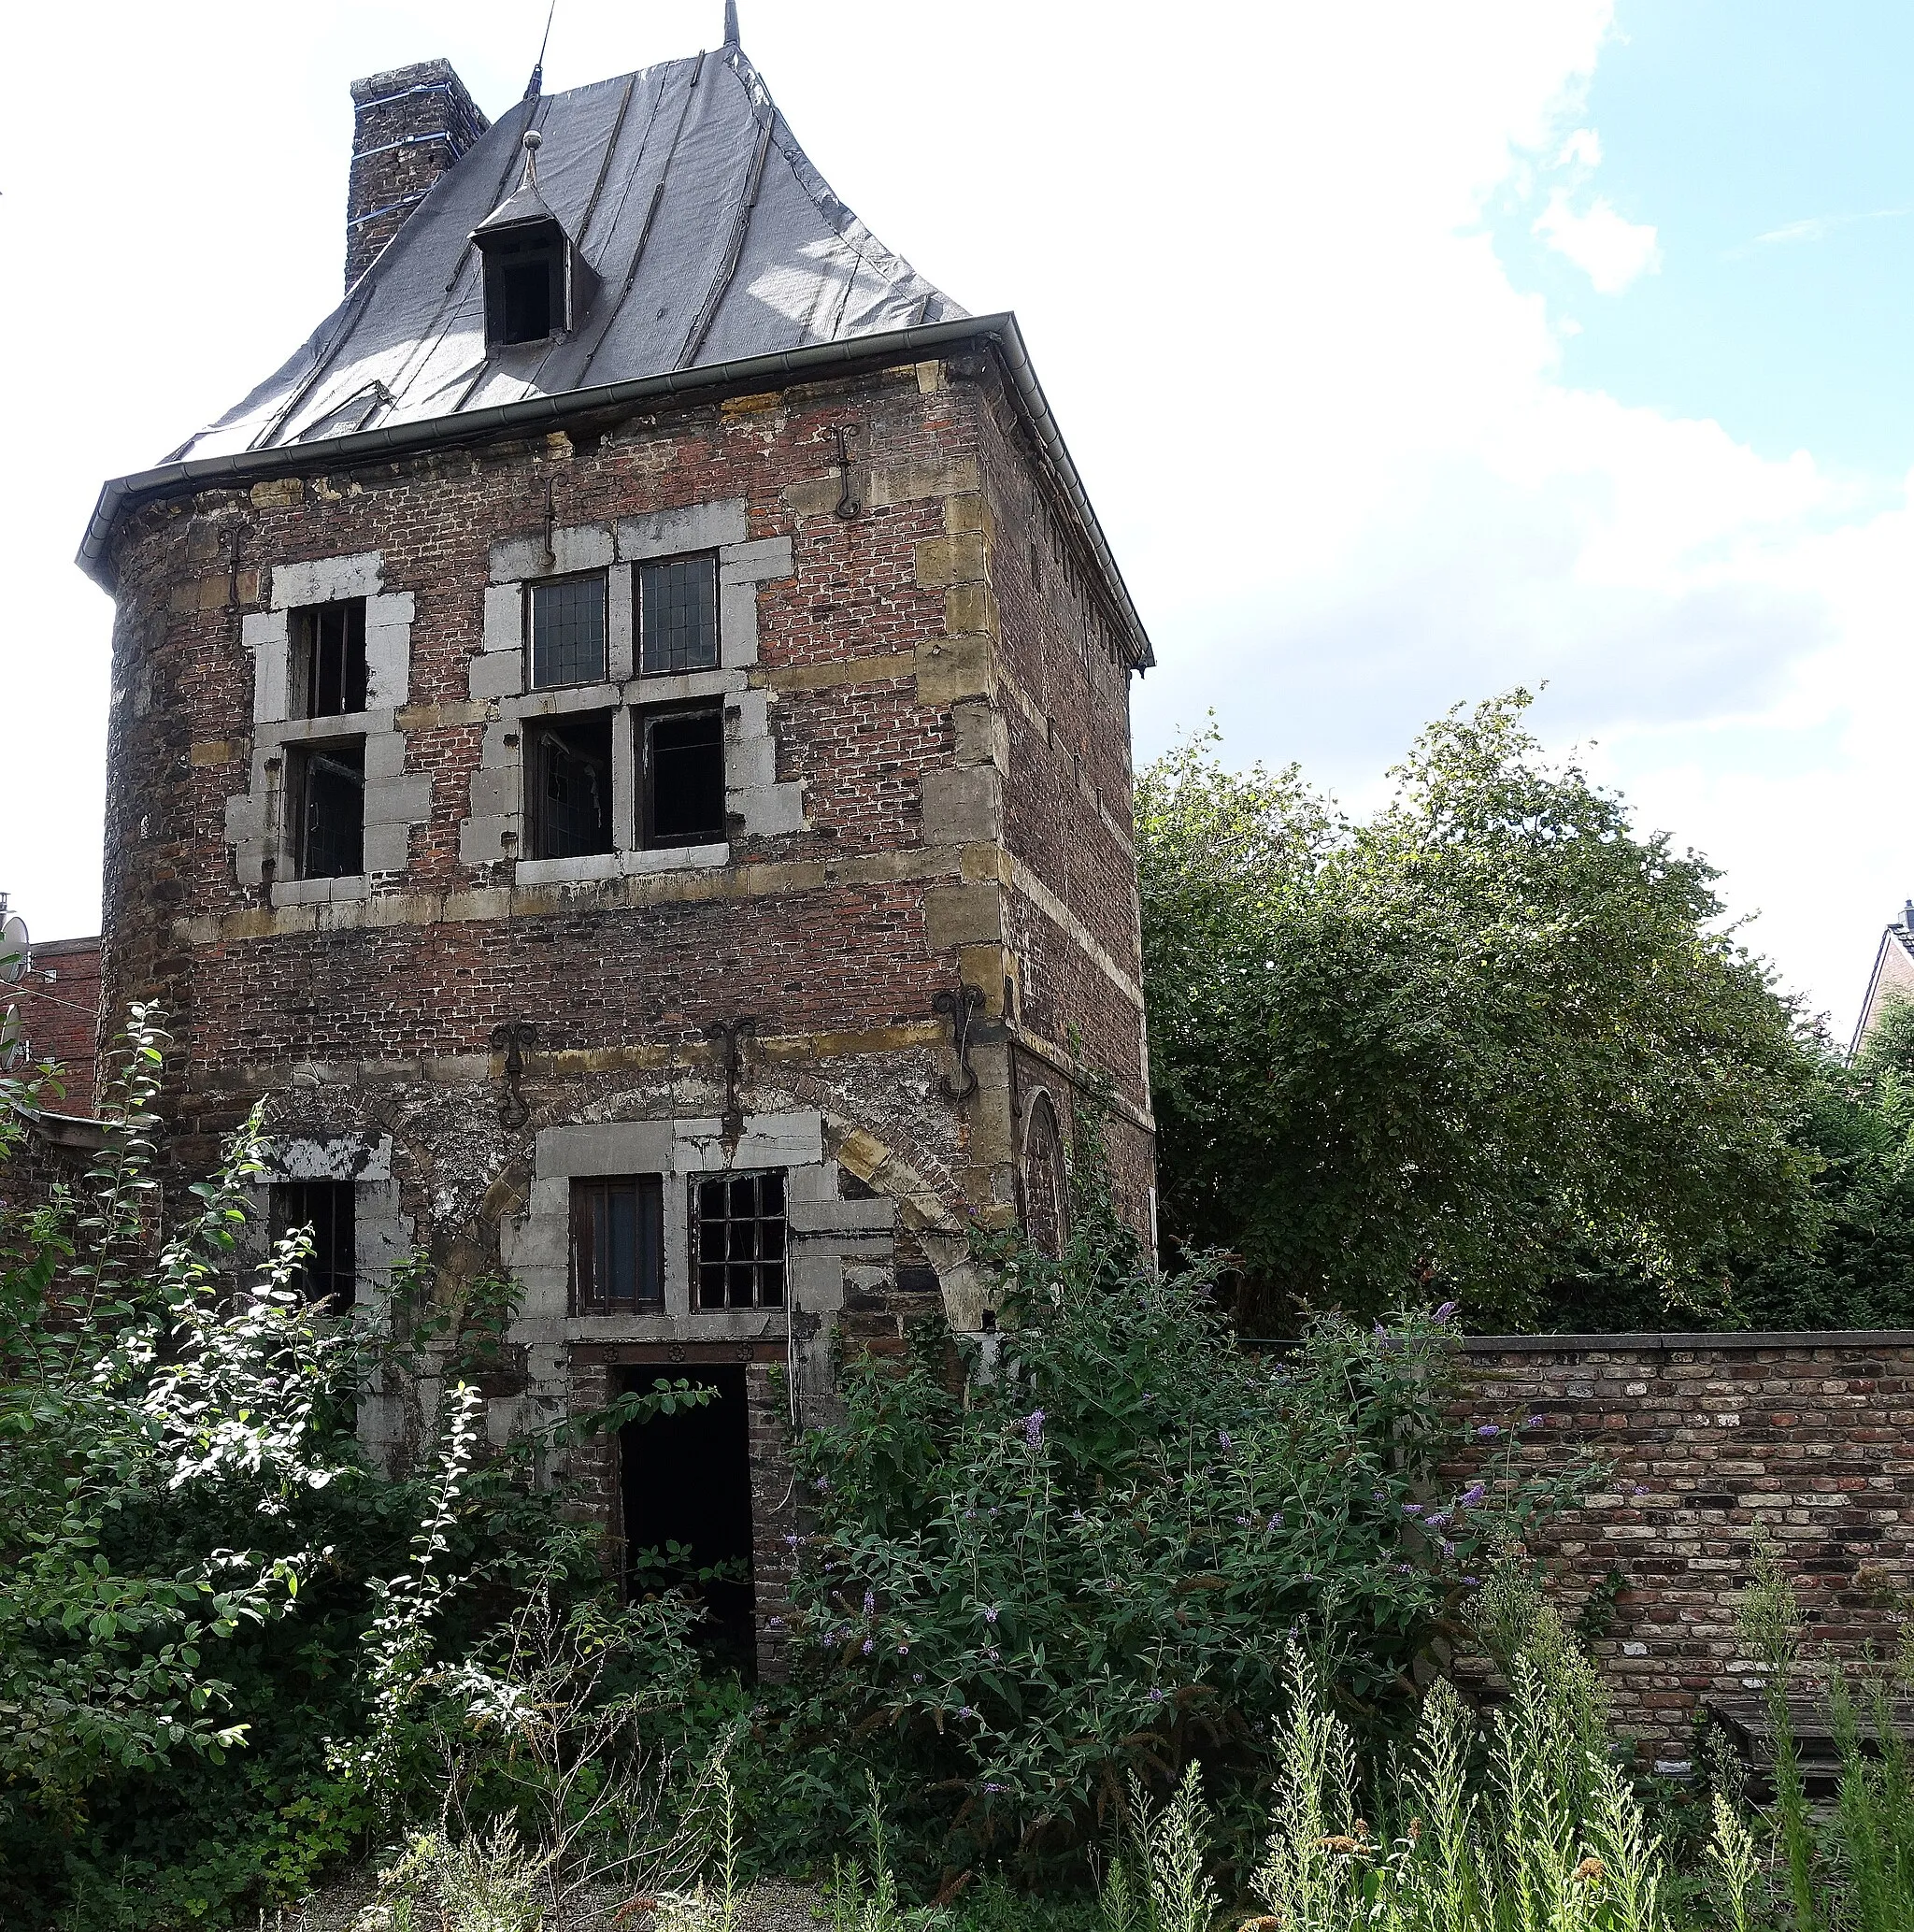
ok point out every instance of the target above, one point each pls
(687, 1481)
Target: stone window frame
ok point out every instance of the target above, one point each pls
(834, 1244)
(259, 827)
(381, 1235)
(499, 677)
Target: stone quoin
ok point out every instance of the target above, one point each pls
(623, 743)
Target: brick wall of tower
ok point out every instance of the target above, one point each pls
(1068, 807)
(409, 126)
(880, 656)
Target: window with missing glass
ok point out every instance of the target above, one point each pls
(328, 793)
(568, 786)
(329, 659)
(568, 619)
(738, 1240)
(678, 616)
(682, 777)
(617, 1245)
(325, 1207)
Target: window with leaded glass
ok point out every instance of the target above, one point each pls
(617, 1245)
(568, 632)
(738, 1240)
(678, 615)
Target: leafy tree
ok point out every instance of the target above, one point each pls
(1490, 1043)
(1858, 1271)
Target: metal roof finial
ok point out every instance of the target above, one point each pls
(731, 23)
(536, 86)
(534, 141)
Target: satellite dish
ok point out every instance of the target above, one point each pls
(14, 1051)
(14, 945)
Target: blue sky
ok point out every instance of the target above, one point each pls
(1770, 147)
(1410, 350)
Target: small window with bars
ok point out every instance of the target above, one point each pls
(738, 1237)
(325, 1207)
(617, 1245)
(329, 659)
(568, 632)
(678, 616)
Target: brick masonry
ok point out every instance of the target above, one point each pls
(409, 126)
(927, 738)
(60, 1001)
(1708, 1435)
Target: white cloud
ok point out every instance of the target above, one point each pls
(1612, 251)
(1582, 149)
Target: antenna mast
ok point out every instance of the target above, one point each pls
(537, 84)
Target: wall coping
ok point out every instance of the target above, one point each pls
(1653, 1341)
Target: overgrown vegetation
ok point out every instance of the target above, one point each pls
(1494, 1044)
(1037, 1572)
(1109, 1597)
(231, 1654)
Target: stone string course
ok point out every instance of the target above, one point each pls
(1707, 1437)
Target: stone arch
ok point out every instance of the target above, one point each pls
(1044, 1186)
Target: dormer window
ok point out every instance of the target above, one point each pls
(525, 296)
(537, 283)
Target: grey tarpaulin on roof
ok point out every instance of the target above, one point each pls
(716, 245)
(657, 176)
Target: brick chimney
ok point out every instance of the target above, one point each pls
(409, 126)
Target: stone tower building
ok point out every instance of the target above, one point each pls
(624, 740)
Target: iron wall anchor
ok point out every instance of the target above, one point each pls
(732, 1035)
(511, 1038)
(960, 1008)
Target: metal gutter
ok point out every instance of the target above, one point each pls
(123, 494)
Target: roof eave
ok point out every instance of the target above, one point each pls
(122, 494)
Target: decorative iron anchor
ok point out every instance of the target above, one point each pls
(511, 1038)
(960, 1007)
(732, 1033)
(850, 503)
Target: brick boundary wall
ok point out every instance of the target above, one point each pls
(1707, 1436)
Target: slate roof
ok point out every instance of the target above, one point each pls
(714, 237)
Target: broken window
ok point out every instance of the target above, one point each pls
(326, 1208)
(525, 296)
(678, 615)
(617, 1245)
(328, 791)
(329, 659)
(737, 1230)
(682, 756)
(568, 632)
(568, 786)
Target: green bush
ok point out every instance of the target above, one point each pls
(227, 1647)
(1040, 1565)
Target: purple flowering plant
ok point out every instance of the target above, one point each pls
(1045, 1599)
